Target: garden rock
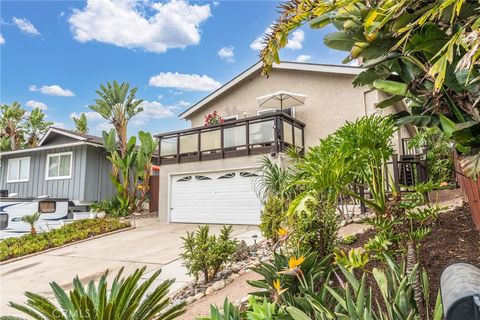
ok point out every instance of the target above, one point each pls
(189, 300)
(241, 272)
(209, 291)
(218, 285)
(199, 296)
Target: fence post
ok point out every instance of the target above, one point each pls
(396, 170)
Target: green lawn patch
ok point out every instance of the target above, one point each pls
(75, 231)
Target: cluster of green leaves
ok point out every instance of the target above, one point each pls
(424, 53)
(131, 171)
(205, 253)
(20, 129)
(284, 283)
(256, 309)
(126, 298)
(354, 259)
(77, 230)
(81, 123)
(31, 219)
(350, 239)
(354, 299)
(272, 218)
(439, 153)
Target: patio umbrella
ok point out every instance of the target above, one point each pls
(281, 99)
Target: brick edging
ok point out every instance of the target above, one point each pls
(2, 263)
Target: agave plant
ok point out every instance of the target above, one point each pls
(32, 219)
(125, 299)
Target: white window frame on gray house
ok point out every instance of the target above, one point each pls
(18, 176)
(59, 156)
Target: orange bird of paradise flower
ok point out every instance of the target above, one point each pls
(282, 232)
(278, 287)
(293, 266)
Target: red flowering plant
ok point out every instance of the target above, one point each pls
(213, 118)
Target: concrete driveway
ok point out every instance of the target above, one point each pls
(152, 244)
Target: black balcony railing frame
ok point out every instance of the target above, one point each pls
(277, 145)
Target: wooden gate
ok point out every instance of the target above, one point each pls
(471, 190)
(154, 189)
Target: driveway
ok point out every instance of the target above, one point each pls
(152, 244)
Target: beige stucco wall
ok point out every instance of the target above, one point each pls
(166, 171)
(331, 101)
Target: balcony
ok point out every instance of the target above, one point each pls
(263, 134)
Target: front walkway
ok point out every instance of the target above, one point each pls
(152, 244)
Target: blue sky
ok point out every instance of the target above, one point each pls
(54, 54)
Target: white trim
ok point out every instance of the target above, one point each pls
(259, 112)
(64, 133)
(19, 167)
(171, 174)
(235, 117)
(53, 146)
(348, 70)
(51, 155)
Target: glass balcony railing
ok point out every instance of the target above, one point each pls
(270, 133)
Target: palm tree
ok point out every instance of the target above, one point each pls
(31, 219)
(118, 106)
(11, 123)
(81, 125)
(273, 181)
(125, 299)
(36, 126)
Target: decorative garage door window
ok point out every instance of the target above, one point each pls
(248, 174)
(227, 176)
(187, 178)
(200, 178)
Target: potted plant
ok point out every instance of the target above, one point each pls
(97, 210)
(213, 118)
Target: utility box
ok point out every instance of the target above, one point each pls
(460, 288)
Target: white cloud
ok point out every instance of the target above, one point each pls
(125, 23)
(153, 110)
(91, 115)
(183, 103)
(294, 42)
(36, 104)
(186, 82)
(53, 90)
(2, 40)
(104, 126)
(25, 26)
(227, 54)
(303, 58)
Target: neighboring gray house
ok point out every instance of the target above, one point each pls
(65, 164)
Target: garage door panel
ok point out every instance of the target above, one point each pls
(207, 198)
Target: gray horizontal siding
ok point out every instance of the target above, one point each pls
(90, 172)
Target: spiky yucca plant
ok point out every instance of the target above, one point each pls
(125, 299)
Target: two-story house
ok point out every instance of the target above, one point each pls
(208, 173)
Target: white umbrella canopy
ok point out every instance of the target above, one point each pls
(281, 99)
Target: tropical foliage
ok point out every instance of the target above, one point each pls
(31, 219)
(117, 104)
(74, 231)
(81, 124)
(20, 129)
(423, 53)
(126, 298)
(205, 254)
(439, 153)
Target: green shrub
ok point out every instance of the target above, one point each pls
(125, 299)
(77, 230)
(315, 228)
(350, 239)
(206, 254)
(272, 218)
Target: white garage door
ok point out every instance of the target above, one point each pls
(220, 198)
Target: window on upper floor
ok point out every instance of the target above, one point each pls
(18, 169)
(59, 166)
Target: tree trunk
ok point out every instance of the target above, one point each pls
(416, 285)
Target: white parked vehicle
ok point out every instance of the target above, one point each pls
(53, 214)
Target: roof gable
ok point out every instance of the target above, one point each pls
(57, 135)
(311, 67)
